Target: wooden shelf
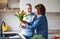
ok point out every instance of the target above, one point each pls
(9, 10)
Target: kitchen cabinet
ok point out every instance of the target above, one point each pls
(3, 1)
(5, 5)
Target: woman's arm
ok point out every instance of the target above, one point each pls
(34, 24)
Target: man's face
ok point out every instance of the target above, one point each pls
(29, 8)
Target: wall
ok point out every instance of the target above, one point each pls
(51, 5)
(52, 9)
(53, 20)
(9, 17)
(53, 13)
(12, 21)
(14, 3)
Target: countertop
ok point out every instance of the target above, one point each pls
(14, 32)
(53, 31)
(49, 32)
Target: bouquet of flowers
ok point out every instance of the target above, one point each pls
(20, 15)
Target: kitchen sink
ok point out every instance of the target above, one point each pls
(11, 36)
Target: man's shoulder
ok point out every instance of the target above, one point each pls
(33, 13)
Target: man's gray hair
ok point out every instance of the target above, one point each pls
(28, 4)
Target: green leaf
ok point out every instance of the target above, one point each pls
(20, 17)
(37, 37)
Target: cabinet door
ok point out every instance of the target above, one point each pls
(3, 1)
(3, 4)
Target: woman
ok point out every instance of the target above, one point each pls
(42, 27)
(40, 24)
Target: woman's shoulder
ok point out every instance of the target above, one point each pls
(42, 17)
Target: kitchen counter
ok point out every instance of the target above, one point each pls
(14, 32)
(54, 32)
(49, 32)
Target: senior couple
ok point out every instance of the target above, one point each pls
(35, 21)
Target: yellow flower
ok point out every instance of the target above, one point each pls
(27, 14)
(20, 12)
(20, 15)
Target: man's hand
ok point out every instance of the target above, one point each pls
(22, 23)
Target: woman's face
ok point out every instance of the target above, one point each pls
(37, 11)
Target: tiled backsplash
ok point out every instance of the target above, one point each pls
(12, 21)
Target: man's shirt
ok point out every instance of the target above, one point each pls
(30, 18)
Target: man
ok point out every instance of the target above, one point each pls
(28, 20)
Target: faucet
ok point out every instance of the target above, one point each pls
(1, 28)
(1, 31)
